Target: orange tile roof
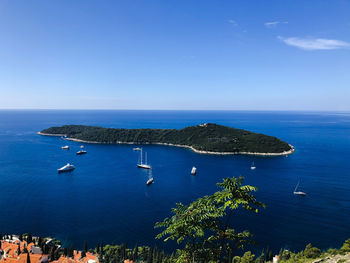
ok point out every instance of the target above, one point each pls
(11, 248)
(35, 258)
(11, 260)
(30, 246)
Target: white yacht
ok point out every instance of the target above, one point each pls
(82, 146)
(253, 167)
(149, 181)
(298, 192)
(81, 152)
(68, 167)
(141, 164)
(136, 149)
(194, 170)
(66, 147)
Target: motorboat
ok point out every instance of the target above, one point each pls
(67, 168)
(194, 170)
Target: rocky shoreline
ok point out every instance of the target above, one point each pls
(177, 145)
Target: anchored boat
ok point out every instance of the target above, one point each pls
(253, 167)
(67, 168)
(141, 164)
(149, 181)
(298, 192)
(194, 170)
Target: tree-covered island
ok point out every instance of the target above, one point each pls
(204, 138)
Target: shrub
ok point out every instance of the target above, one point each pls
(248, 257)
(346, 246)
(311, 252)
(332, 251)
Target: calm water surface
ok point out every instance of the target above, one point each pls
(106, 199)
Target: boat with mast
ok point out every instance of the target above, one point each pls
(141, 164)
(149, 181)
(298, 192)
(253, 167)
(150, 178)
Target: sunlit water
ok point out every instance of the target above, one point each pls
(106, 197)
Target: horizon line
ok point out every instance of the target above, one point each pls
(247, 110)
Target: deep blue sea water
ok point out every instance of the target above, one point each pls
(106, 199)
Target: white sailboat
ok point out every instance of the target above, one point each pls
(150, 178)
(298, 192)
(253, 167)
(149, 181)
(141, 164)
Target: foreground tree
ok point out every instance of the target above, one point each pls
(204, 225)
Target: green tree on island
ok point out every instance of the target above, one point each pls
(204, 225)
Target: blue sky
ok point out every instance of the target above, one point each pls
(190, 54)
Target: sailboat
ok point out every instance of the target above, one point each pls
(141, 164)
(150, 178)
(252, 167)
(298, 192)
(149, 181)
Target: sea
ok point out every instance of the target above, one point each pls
(105, 199)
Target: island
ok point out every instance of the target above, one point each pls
(207, 138)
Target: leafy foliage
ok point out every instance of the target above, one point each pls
(208, 137)
(204, 225)
(311, 252)
(247, 257)
(119, 253)
(346, 246)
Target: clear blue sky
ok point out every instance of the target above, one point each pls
(183, 54)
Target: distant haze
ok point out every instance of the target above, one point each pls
(187, 54)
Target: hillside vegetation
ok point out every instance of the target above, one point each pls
(205, 137)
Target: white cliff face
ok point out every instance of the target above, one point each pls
(334, 259)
